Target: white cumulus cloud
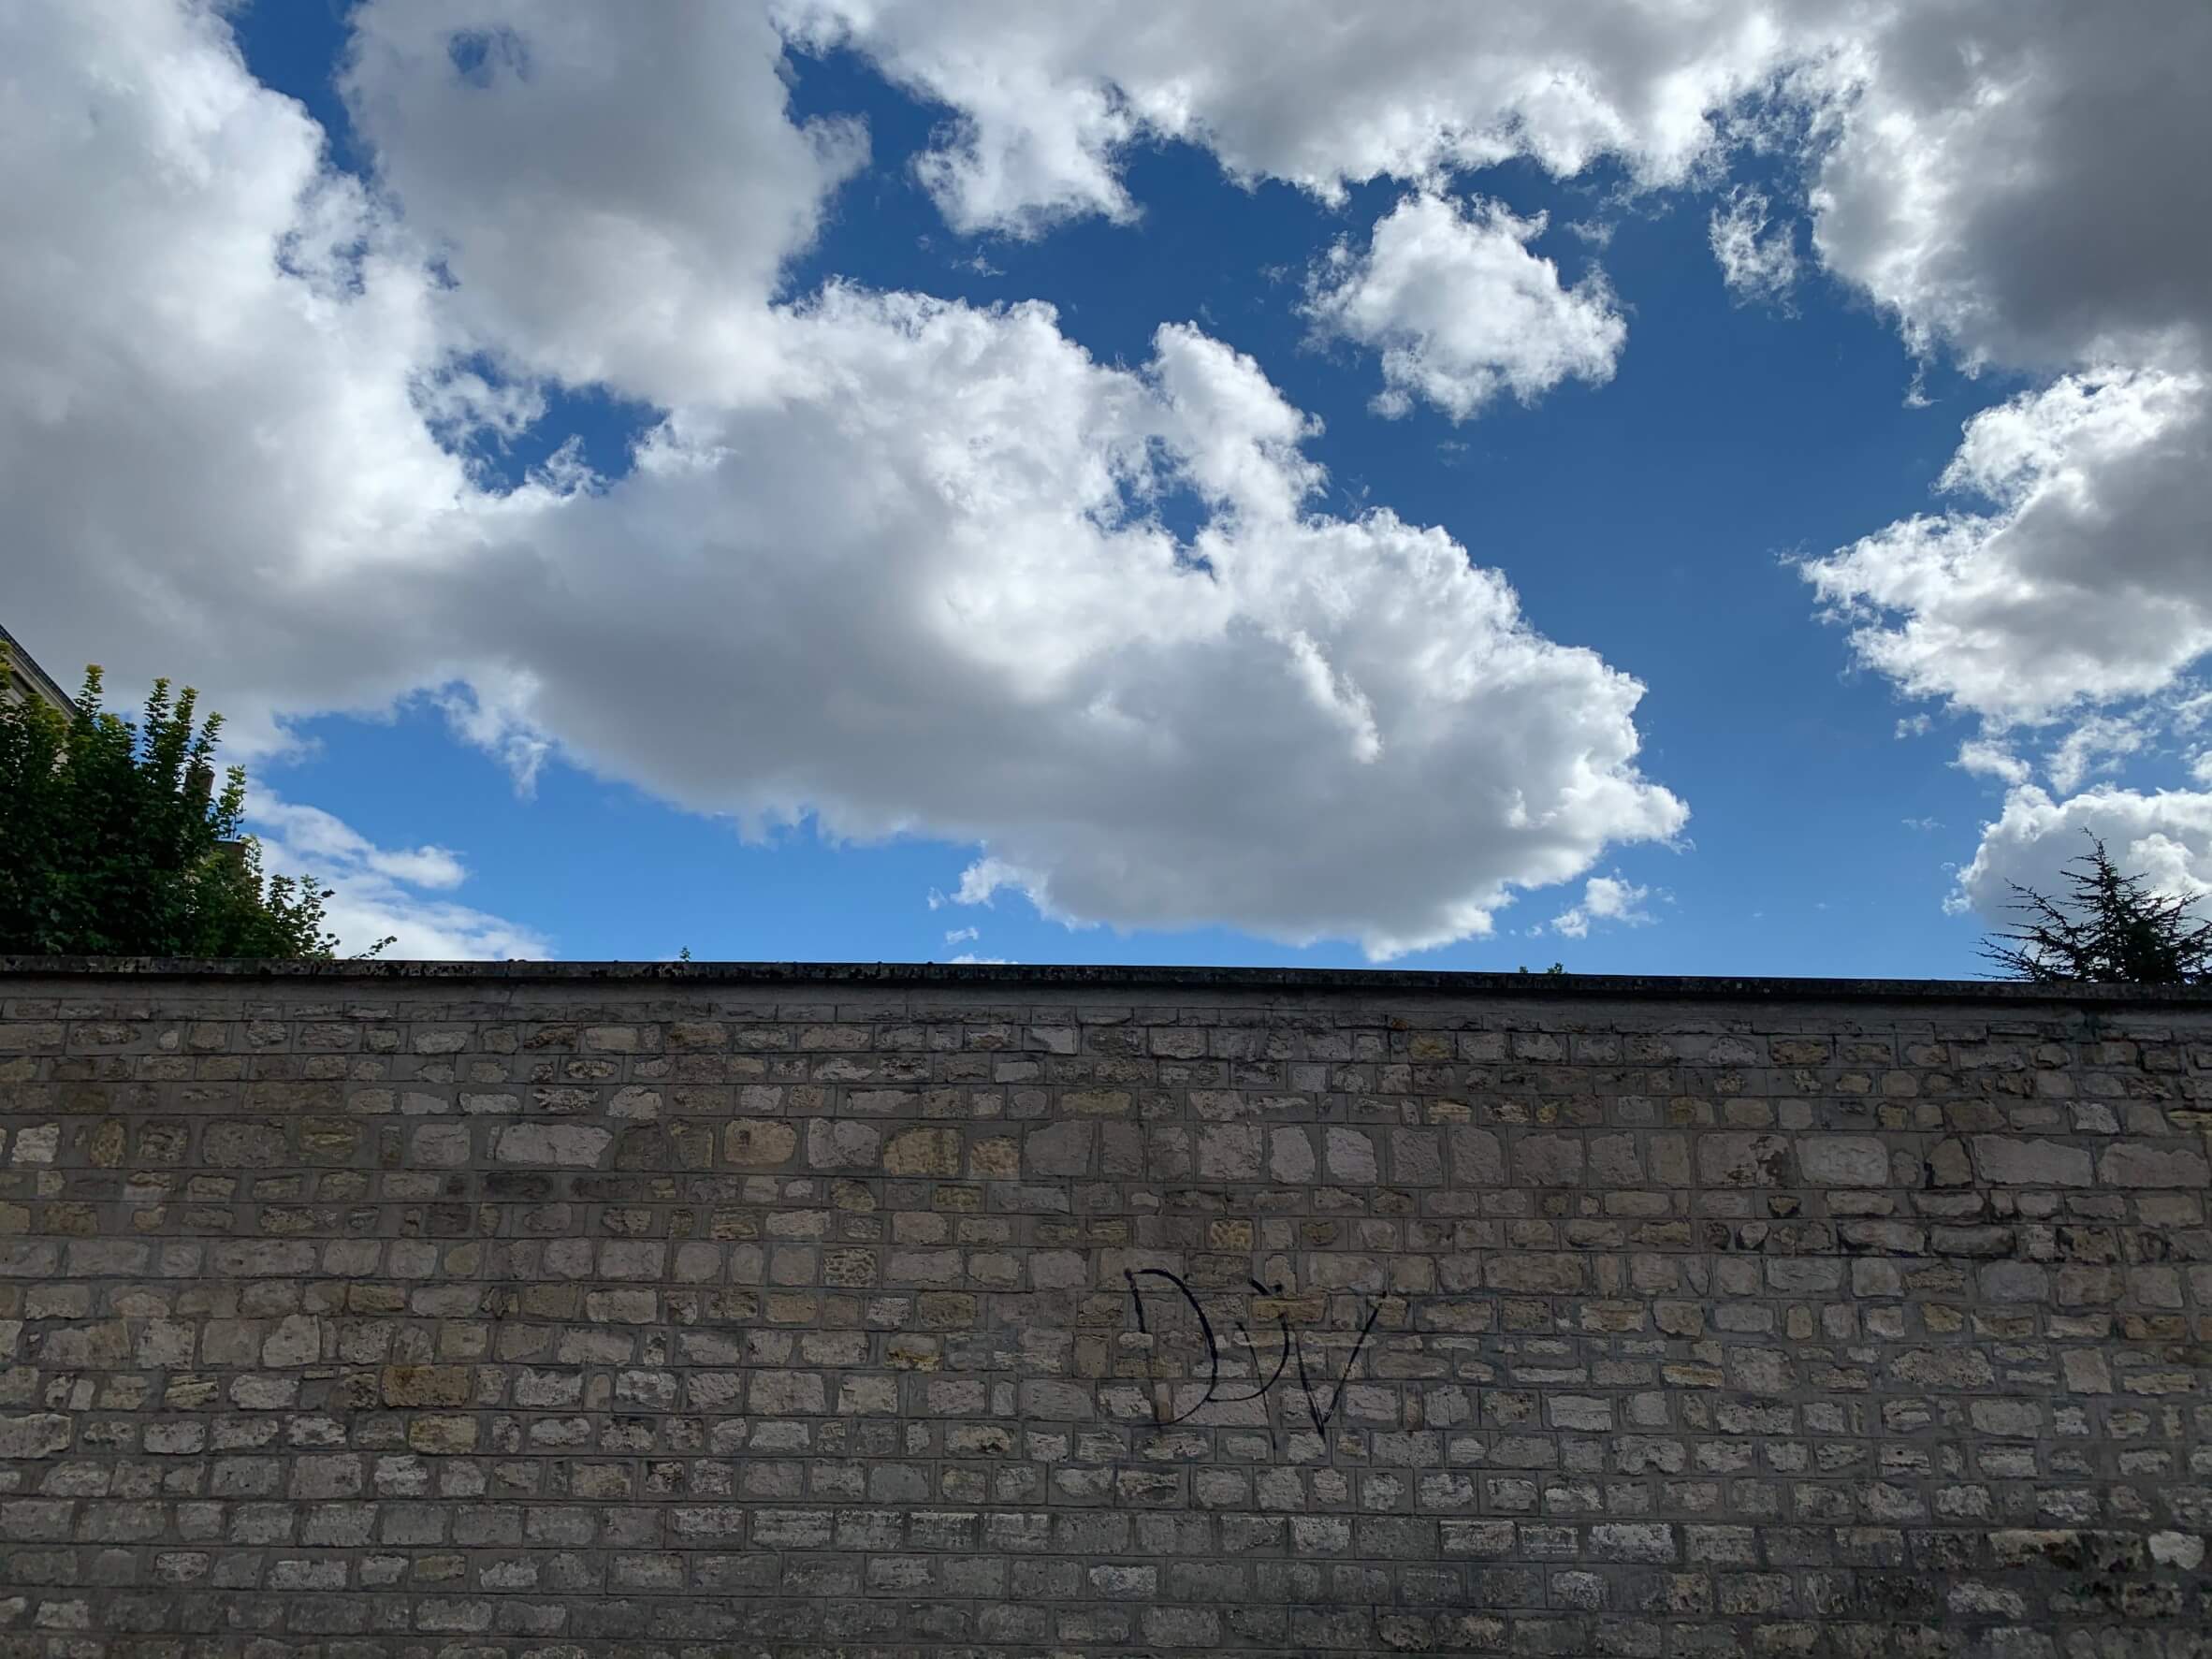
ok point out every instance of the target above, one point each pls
(1605, 898)
(183, 284)
(2072, 571)
(616, 191)
(1307, 726)
(2017, 182)
(2164, 835)
(887, 562)
(1048, 99)
(2022, 178)
(1462, 310)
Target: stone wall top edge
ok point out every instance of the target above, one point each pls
(1004, 980)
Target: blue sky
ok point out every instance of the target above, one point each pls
(1796, 804)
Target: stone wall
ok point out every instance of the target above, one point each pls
(563, 1310)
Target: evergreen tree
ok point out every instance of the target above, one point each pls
(2109, 928)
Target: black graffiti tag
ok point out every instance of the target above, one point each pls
(1293, 1345)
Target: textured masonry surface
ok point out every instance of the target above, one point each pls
(577, 1312)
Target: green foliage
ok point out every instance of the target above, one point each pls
(1555, 968)
(2109, 929)
(115, 841)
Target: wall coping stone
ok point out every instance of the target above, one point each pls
(1399, 981)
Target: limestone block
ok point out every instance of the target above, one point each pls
(757, 1143)
(570, 1146)
(2006, 1161)
(1743, 1160)
(1843, 1161)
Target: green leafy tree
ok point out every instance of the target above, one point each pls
(115, 840)
(2107, 928)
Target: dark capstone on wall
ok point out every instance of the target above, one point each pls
(566, 1310)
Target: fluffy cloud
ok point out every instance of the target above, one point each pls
(2020, 184)
(898, 564)
(1312, 92)
(2080, 577)
(1986, 757)
(2018, 181)
(1307, 726)
(1759, 259)
(891, 563)
(1462, 310)
(378, 892)
(213, 447)
(1605, 898)
(2020, 177)
(2023, 178)
(617, 190)
(2166, 837)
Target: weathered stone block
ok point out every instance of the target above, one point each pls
(1638, 1541)
(922, 1151)
(756, 1142)
(1547, 1160)
(428, 1384)
(1290, 1155)
(2016, 1281)
(242, 1145)
(1843, 1161)
(2009, 1162)
(2184, 1550)
(1476, 1158)
(1095, 1102)
(1350, 1157)
(2019, 1418)
(1531, 1271)
(1615, 1162)
(296, 1340)
(838, 1144)
(440, 1145)
(1743, 1160)
(1943, 1368)
(569, 1145)
(1059, 1149)
(1229, 1152)
(2150, 1163)
(104, 1346)
(40, 1434)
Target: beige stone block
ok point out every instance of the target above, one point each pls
(759, 1142)
(442, 1435)
(427, 1385)
(932, 1152)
